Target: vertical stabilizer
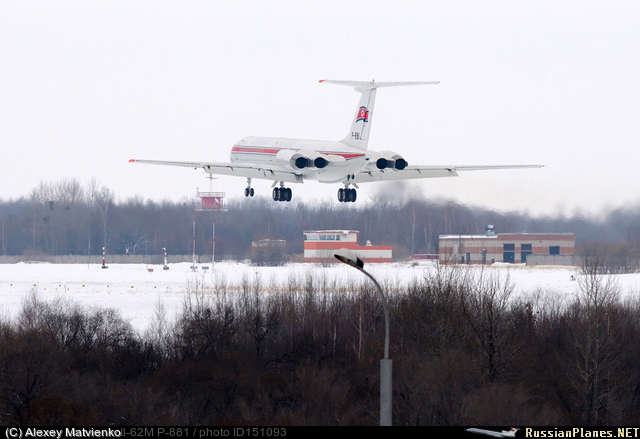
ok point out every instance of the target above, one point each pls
(358, 136)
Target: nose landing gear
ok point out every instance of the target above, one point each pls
(248, 191)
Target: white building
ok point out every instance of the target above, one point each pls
(555, 248)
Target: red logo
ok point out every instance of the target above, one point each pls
(363, 115)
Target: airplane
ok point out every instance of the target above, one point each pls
(284, 160)
(503, 434)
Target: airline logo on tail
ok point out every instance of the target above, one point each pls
(363, 115)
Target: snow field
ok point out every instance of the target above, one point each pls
(136, 290)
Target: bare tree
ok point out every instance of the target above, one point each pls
(100, 198)
(486, 306)
(596, 358)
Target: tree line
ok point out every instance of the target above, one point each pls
(71, 218)
(306, 351)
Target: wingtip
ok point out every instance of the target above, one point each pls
(132, 160)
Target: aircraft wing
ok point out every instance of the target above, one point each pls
(238, 170)
(365, 176)
(414, 172)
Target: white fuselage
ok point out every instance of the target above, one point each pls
(341, 160)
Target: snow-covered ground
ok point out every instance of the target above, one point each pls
(137, 289)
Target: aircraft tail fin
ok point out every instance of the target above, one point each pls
(358, 135)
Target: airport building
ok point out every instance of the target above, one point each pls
(321, 245)
(269, 251)
(515, 248)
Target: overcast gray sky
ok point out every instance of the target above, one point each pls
(87, 85)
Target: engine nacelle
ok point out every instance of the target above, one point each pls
(289, 157)
(306, 162)
(389, 159)
(302, 159)
(401, 163)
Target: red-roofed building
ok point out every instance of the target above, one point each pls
(320, 246)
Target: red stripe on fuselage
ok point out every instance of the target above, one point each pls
(274, 151)
(254, 150)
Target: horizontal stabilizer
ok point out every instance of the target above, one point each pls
(370, 85)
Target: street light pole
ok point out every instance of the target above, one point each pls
(386, 364)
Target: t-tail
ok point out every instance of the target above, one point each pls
(358, 136)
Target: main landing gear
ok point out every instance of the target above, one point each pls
(347, 195)
(282, 194)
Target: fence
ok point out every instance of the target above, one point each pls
(110, 259)
(551, 260)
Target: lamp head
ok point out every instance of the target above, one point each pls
(348, 257)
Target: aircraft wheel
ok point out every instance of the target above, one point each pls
(341, 195)
(251, 192)
(349, 193)
(354, 195)
(276, 194)
(246, 192)
(288, 194)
